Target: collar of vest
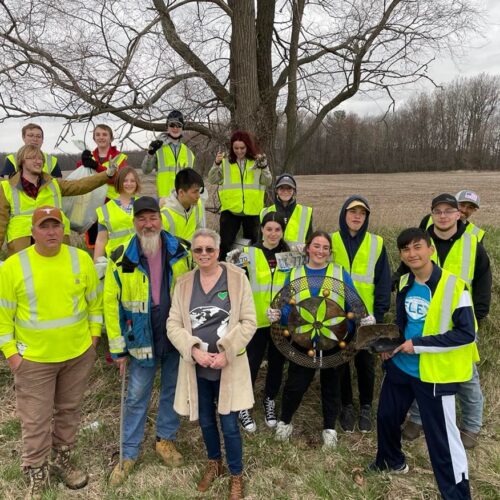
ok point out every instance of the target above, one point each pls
(431, 282)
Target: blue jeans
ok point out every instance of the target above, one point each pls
(208, 394)
(140, 386)
(471, 400)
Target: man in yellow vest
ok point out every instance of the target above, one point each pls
(458, 252)
(363, 256)
(32, 135)
(183, 212)
(31, 188)
(168, 155)
(435, 315)
(50, 323)
(468, 203)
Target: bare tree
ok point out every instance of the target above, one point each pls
(238, 63)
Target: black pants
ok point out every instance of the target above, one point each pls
(230, 225)
(297, 383)
(437, 409)
(256, 350)
(365, 369)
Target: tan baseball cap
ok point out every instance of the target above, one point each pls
(44, 213)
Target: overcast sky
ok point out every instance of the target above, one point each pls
(483, 56)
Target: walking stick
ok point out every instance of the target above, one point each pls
(122, 409)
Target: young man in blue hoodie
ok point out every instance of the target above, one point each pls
(435, 315)
(363, 255)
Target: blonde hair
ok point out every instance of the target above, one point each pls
(26, 152)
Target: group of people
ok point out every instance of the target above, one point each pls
(171, 302)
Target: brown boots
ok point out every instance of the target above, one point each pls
(216, 469)
(62, 467)
(236, 492)
(167, 451)
(38, 480)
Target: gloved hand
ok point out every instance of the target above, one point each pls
(112, 167)
(233, 256)
(154, 146)
(367, 320)
(100, 266)
(261, 161)
(273, 315)
(88, 160)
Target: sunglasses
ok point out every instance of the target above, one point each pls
(174, 124)
(200, 250)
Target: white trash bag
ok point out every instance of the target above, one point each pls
(80, 210)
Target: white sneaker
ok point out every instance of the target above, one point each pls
(329, 438)
(283, 431)
(270, 412)
(246, 421)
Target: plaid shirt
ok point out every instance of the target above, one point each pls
(31, 189)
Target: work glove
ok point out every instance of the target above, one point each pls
(112, 167)
(88, 160)
(100, 266)
(233, 256)
(367, 320)
(273, 315)
(155, 146)
(261, 161)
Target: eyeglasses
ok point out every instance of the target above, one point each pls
(448, 211)
(200, 250)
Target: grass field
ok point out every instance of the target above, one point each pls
(299, 469)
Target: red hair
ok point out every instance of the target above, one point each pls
(246, 137)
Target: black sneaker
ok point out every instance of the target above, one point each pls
(402, 469)
(365, 419)
(270, 412)
(347, 418)
(246, 421)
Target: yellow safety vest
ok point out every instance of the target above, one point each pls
(461, 259)
(450, 366)
(265, 283)
(332, 271)
(362, 270)
(298, 224)
(112, 194)
(241, 193)
(120, 224)
(49, 162)
(22, 207)
(475, 230)
(56, 304)
(180, 225)
(169, 165)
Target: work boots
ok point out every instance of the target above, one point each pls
(120, 472)
(167, 451)
(236, 492)
(38, 480)
(62, 467)
(214, 469)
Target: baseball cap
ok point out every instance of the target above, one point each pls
(358, 203)
(44, 213)
(286, 180)
(449, 199)
(467, 196)
(145, 203)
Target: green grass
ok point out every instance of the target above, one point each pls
(296, 470)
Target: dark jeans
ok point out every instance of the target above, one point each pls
(230, 225)
(256, 350)
(365, 369)
(208, 394)
(297, 383)
(437, 409)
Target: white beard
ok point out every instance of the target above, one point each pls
(150, 243)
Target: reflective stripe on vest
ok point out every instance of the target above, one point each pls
(461, 258)
(454, 365)
(33, 321)
(241, 193)
(296, 226)
(119, 224)
(168, 166)
(264, 282)
(362, 269)
(475, 230)
(178, 225)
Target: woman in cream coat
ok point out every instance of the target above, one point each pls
(211, 330)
